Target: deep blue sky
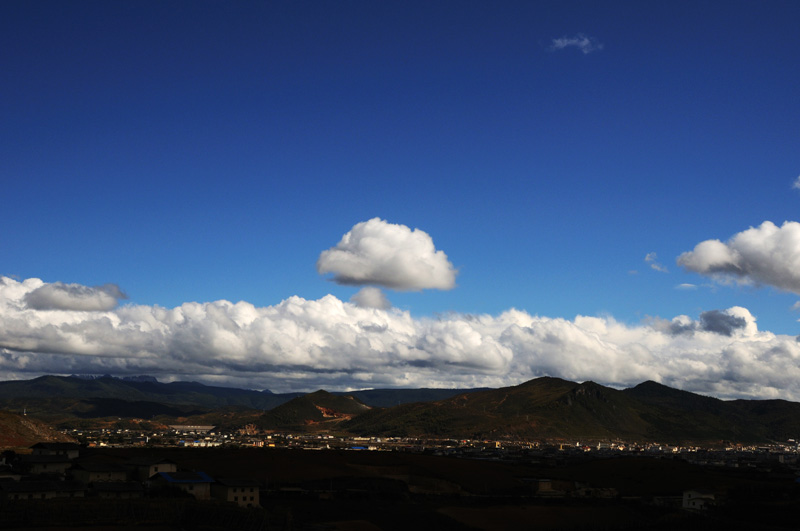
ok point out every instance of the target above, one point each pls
(196, 151)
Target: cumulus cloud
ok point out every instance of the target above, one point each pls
(580, 41)
(796, 183)
(379, 253)
(60, 296)
(763, 255)
(301, 344)
(371, 297)
(652, 260)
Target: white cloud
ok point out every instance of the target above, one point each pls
(580, 41)
(652, 259)
(796, 183)
(763, 255)
(371, 297)
(686, 286)
(301, 344)
(379, 253)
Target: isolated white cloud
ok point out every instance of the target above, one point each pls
(652, 260)
(371, 297)
(763, 255)
(796, 183)
(580, 41)
(302, 344)
(379, 253)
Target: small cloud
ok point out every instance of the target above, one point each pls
(722, 322)
(61, 296)
(633, 272)
(380, 253)
(652, 259)
(795, 307)
(371, 297)
(686, 287)
(796, 184)
(580, 41)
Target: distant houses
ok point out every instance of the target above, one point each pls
(57, 470)
(190, 429)
(244, 492)
(93, 472)
(698, 500)
(142, 470)
(118, 490)
(198, 484)
(43, 464)
(67, 450)
(41, 490)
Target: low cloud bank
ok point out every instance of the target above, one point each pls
(302, 344)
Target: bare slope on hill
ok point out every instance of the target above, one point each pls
(22, 431)
(314, 411)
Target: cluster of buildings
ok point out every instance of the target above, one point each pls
(64, 470)
(57, 470)
(724, 454)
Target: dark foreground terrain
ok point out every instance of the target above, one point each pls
(363, 490)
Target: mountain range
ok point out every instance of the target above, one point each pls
(543, 408)
(56, 398)
(552, 408)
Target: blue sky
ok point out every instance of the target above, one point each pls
(207, 151)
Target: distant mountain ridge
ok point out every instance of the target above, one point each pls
(39, 395)
(552, 408)
(543, 408)
(183, 393)
(140, 378)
